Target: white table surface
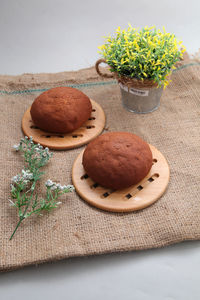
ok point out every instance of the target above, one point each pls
(58, 35)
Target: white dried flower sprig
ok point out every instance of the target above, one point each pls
(57, 186)
(23, 184)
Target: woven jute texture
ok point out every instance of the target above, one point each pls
(75, 228)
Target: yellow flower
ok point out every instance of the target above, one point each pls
(183, 49)
(102, 47)
(130, 26)
(148, 53)
(126, 38)
(158, 62)
(127, 51)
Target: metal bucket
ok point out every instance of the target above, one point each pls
(140, 101)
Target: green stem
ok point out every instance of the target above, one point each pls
(21, 219)
(30, 198)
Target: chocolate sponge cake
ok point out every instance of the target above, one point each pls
(61, 109)
(117, 160)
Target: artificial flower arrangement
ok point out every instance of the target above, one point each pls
(24, 197)
(142, 54)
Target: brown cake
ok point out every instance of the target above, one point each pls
(117, 160)
(61, 109)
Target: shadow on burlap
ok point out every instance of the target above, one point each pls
(75, 228)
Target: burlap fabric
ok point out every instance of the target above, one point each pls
(75, 228)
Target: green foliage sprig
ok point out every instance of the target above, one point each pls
(23, 185)
(146, 53)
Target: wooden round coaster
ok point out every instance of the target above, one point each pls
(133, 198)
(58, 141)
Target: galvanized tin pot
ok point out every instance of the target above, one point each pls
(140, 101)
(135, 98)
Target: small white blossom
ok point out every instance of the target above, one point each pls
(30, 176)
(53, 188)
(37, 150)
(49, 183)
(16, 147)
(39, 146)
(27, 175)
(58, 203)
(69, 187)
(16, 178)
(59, 186)
(26, 137)
(62, 188)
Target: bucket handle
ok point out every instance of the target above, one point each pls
(105, 75)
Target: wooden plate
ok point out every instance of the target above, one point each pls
(58, 141)
(133, 198)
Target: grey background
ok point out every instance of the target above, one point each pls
(57, 35)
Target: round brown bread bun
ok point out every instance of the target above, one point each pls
(61, 109)
(117, 160)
